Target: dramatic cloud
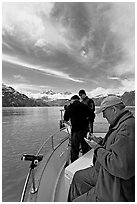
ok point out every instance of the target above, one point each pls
(70, 45)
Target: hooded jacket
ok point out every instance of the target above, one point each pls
(116, 178)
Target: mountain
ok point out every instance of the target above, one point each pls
(13, 98)
(51, 95)
(128, 98)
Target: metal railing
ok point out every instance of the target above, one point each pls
(48, 147)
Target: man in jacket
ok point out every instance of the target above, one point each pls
(79, 114)
(112, 178)
(88, 101)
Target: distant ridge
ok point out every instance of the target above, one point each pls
(128, 98)
(13, 98)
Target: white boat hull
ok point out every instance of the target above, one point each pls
(53, 178)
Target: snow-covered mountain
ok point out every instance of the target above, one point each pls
(11, 97)
(51, 95)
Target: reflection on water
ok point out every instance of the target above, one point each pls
(23, 131)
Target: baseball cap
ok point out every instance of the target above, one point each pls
(108, 102)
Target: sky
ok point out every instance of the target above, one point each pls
(68, 46)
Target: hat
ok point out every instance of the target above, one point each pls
(75, 97)
(82, 92)
(108, 102)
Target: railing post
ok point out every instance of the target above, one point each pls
(62, 114)
(34, 189)
(52, 140)
(35, 159)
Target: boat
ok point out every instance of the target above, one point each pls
(50, 173)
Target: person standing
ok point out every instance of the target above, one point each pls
(88, 101)
(79, 114)
(112, 178)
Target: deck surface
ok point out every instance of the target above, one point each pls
(67, 174)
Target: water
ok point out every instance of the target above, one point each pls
(23, 131)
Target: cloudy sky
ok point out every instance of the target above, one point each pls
(68, 46)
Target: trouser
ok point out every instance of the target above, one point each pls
(91, 127)
(77, 138)
(83, 182)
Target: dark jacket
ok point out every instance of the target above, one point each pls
(116, 178)
(88, 101)
(79, 114)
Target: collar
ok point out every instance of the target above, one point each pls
(123, 116)
(76, 101)
(84, 99)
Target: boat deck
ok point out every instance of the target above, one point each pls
(62, 190)
(52, 179)
(67, 174)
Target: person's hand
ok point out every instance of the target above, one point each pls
(91, 143)
(91, 136)
(67, 123)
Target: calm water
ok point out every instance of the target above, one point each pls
(23, 131)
